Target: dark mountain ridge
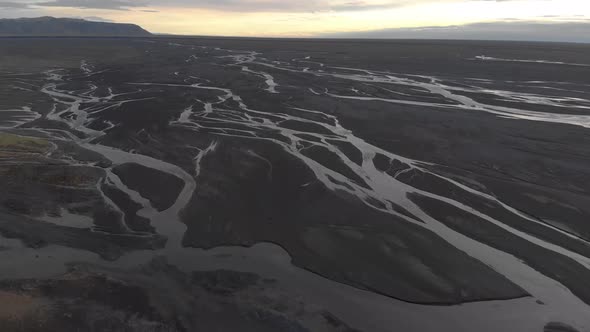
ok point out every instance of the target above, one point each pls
(51, 26)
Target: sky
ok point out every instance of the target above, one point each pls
(323, 18)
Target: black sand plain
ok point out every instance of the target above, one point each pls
(203, 184)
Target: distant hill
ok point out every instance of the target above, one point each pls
(50, 26)
(576, 32)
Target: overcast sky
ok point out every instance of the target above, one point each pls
(340, 18)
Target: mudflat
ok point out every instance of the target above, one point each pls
(294, 185)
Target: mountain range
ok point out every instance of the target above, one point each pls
(51, 26)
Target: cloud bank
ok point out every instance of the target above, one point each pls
(225, 5)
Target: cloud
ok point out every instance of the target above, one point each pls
(575, 31)
(93, 4)
(297, 6)
(250, 5)
(300, 6)
(363, 5)
(92, 18)
(13, 5)
(227, 5)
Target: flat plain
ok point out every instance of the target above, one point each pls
(203, 184)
